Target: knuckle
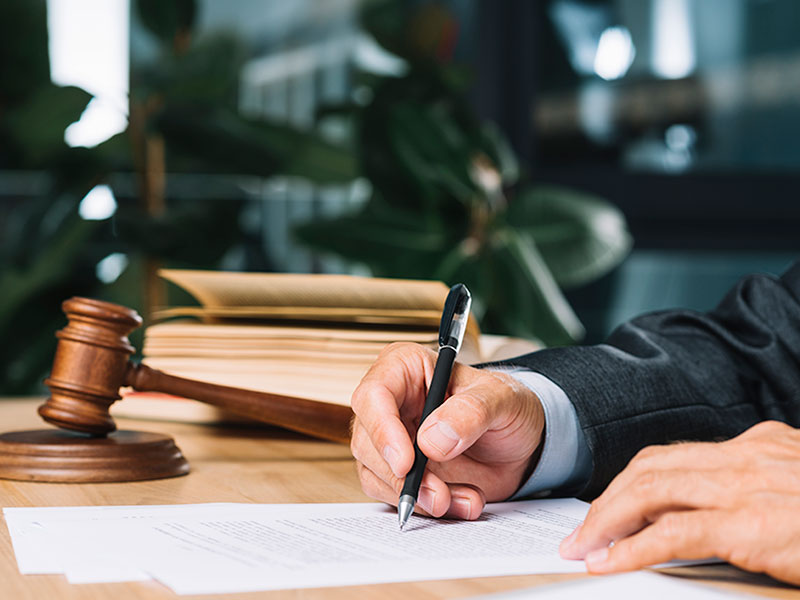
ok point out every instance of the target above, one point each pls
(394, 347)
(363, 476)
(478, 406)
(360, 397)
(356, 446)
(645, 484)
(368, 482)
(671, 527)
(379, 434)
(645, 455)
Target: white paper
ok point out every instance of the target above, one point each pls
(303, 546)
(82, 553)
(642, 584)
(229, 548)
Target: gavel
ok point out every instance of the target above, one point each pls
(92, 362)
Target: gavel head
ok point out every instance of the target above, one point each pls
(90, 365)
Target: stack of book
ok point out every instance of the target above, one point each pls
(304, 336)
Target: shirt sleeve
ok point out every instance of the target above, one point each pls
(565, 464)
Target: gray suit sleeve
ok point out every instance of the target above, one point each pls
(683, 375)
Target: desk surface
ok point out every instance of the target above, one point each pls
(253, 465)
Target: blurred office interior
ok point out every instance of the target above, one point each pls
(684, 115)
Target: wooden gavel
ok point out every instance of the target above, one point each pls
(92, 363)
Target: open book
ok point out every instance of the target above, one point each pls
(305, 336)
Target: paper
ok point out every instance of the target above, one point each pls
(227, 548)
(84, 555)
(642, 584)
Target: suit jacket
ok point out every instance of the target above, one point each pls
(683, 375)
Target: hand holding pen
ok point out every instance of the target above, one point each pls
(451, 334)
(479, 442)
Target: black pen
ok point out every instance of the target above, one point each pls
(451, 334)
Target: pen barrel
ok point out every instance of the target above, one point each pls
(436, 395)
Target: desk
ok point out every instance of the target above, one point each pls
(258, 464)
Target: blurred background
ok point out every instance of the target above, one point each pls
(575, 162)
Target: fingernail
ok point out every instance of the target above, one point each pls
(426, 499)
(442, 437)
(460, 507)
(392, 456)
(596, 559)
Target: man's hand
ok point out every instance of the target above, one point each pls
(480, 442)
(737, 500)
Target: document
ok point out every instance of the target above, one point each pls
(228, 548)
(81, 556)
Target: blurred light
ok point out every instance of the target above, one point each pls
(362, 95)
(673, 50)
(371, 57)
(98, 122)
(98, 204)
(111, 267)
(596, 102)
(89, 49)
(615, 53)
(680, 137)
(360, 191)
(580, 25)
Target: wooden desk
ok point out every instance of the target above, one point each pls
(251, 465)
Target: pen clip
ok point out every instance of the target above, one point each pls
(454, 317)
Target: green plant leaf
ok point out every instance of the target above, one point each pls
(223, 141)
(51, 264)
(527, 299)
(38, 125)
(501, 153)
(580, 237)
(207, 74)
(395, 244)
(432, 148)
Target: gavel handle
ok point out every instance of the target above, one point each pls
(320, 419)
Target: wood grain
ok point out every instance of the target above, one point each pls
(69, 457)
(91, 364)
(253, 464)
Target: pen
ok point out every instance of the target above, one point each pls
(451, 333)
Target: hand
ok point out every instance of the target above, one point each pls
(737, 500)
(480, 442)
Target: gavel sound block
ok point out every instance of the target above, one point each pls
(90, 365)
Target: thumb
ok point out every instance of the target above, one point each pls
(466, 416)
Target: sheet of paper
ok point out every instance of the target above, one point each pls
(83, 557)
(297, 546)
(642, 584)
(247, 547)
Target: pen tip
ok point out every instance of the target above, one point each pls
(404, 509)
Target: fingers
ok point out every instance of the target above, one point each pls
(396, 376)
(387, 404)
(676, 456)
(435, 498)
(366, 454)
(648, 497)
(677, 535)
(466, 502)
